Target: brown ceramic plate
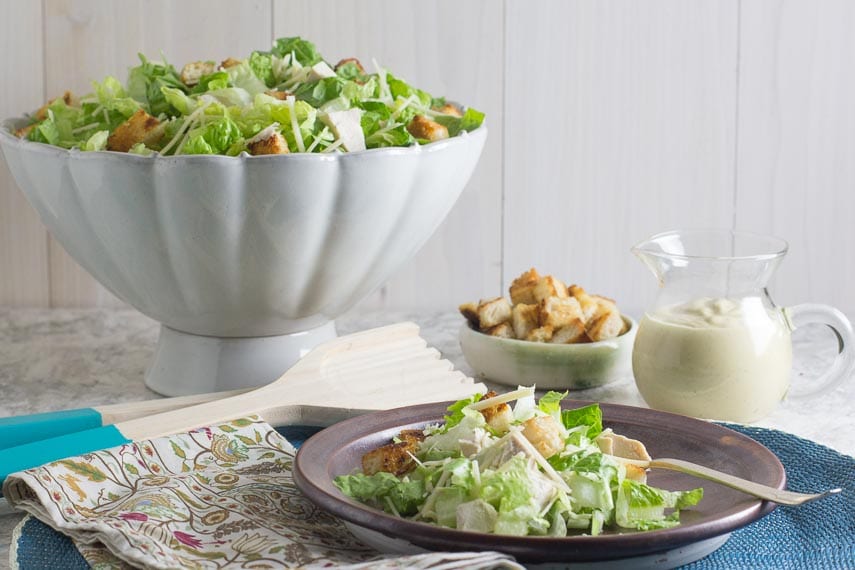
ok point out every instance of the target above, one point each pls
(338, 450)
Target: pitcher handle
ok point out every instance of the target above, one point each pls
(844, 363)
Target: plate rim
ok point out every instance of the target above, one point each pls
(312, 477)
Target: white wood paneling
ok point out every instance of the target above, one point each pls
(619, 123)
(448, 48)
(608, 121)
(23, 239)
(796, 172)
(89, 39)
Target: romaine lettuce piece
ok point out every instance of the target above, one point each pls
(214, 138)
(304, 50)
(261, 64)
(113, 97)
(455, 412)
(471, 120)
(243, 76)
(211, 82)
(446, 503)
(320, 92)
(97, 141)
(643, 507)
(476, 516)
(147, 81)
(385, 491)
(590, 416)
(179, 100)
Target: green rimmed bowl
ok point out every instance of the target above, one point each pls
(548, 366)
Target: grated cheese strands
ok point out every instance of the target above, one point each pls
(298, 136)
(533, 453)
(502, 399)
(318, 139)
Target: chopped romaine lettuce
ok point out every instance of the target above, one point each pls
(290, 89)
(469, 477)
(590, 416)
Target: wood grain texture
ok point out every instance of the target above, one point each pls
(608, 121)
(796, 172)
(448, 48)
(90, 39)
(23, 238)
(619, 124)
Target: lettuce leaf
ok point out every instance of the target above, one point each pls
(261, 64)
(320, 92)
(471, 120)
(590, 416)
(643, 507)
(550, 403)
(304, 50)
(214, 138)
(384, 491)
(211, 82)
(455, 412)
(147, 81)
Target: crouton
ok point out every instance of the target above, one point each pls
(450, 109)
(414, 436)
(67, 98)
(559, 311)
(522, 288)
(229, 62)
(594, 305)
(589, 304)
(498, 417)
(395, 458)
(470, 311)
(544, 434)
(571, 333)
(524, 319)
(139, 128)
(607, 325)
(23, 132)
(547, 287)
(195, 71)
(350, 60)
(423, 128)
(273, 143)
(493, 312)
(540, 334)
(502, 330)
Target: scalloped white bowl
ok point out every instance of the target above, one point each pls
(246, 261)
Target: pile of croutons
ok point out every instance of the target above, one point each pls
(543, 309)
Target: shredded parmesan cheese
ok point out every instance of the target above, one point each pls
(298, 136)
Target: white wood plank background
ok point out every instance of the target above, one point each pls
(796, 165)
(608, 121)
(23, 239)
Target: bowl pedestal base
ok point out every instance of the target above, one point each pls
(193, 364)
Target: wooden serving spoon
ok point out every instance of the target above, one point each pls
(381, 368)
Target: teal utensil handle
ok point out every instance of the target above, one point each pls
(37, 453)
(19, 430)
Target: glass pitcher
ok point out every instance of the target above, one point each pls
(714, 345)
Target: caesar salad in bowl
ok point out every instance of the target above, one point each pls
(243, 204)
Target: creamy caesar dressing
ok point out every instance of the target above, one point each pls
(717, 358)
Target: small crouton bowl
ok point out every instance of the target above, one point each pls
(548, 366)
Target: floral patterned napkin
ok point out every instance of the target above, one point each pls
(217, 497)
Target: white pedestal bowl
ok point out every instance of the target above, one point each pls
(245, 261)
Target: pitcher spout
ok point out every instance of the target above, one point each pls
(654, 258)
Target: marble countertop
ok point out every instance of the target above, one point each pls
(63, 358)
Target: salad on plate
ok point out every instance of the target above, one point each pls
(284, 100)
(531, 469)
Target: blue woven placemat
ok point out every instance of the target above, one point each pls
(816, 535)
